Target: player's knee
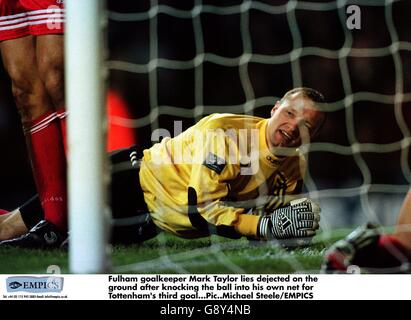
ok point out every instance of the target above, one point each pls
(23, 83)
(52, 75)
(22, 97)
(31, 100)
(55, 87)
(19, 74)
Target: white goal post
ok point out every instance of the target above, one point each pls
(85, 98)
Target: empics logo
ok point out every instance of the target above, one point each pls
(34, 284)
(15, 285)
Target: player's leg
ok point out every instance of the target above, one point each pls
(30, 217)
(41, 126)
(12, 13)
(403, 227)
(13, 226)
(4, 214)
(29, 93)
(48, 31)
(50, 61)
(366, 247)
(131, 221)
(19, 221)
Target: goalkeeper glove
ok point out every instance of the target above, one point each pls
(300, 218)
(365, 247)
(341, 254)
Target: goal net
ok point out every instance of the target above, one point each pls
(182, 60)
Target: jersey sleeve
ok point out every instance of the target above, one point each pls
(216, 165)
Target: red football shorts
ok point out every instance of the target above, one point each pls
(19, 18)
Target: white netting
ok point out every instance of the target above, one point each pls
(349, 55)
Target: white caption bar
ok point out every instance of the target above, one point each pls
(205, 287)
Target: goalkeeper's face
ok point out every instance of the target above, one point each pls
(294, 121)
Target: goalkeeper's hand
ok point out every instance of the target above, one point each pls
(341, 254)
(299, 219)
(365, 247)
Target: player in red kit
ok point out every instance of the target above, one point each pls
(368, 248)
(31, 45)
(14, 224)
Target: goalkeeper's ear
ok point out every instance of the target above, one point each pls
(276, 106)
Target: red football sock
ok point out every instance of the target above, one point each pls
(62, 114)
(44, 139)
(2, 211)
(391, 246)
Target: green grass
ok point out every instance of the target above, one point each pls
(169, 254)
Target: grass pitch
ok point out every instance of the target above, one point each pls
(169, 254)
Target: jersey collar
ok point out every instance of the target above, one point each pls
(265, 154)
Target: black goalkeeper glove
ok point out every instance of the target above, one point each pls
(343, 253)
(299, 219)
(362, 248)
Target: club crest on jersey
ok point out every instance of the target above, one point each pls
(214, 163)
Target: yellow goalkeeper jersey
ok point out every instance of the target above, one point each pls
(225, 159)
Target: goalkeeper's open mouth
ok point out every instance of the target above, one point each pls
(286, 139)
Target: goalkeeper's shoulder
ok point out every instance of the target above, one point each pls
(226, 121)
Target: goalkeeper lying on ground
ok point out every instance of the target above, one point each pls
(186, 185)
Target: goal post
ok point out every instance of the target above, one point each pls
(85, 90)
